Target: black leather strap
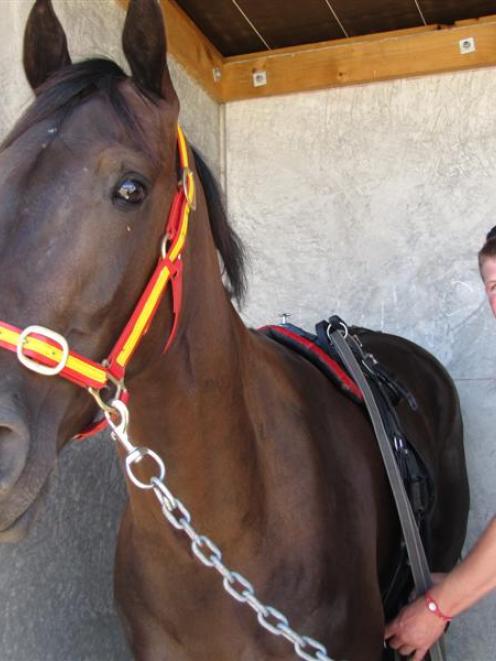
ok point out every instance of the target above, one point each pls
(416, 554)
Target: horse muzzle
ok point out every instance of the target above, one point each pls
(16, 511)
(14, 447)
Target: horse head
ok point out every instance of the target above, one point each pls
(87, 177)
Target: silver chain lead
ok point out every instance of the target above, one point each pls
(236, 585)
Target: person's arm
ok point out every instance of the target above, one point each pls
(417, 628)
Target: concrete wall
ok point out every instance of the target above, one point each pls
(372, 202)
(56, 600)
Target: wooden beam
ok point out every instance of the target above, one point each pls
(400, 54)
(413, 52)
(189, 46)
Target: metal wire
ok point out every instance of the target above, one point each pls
(420, 11)
(336, 18)
(251, 24)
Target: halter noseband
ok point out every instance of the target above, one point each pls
(46, 352)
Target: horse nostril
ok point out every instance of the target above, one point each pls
(14, 443)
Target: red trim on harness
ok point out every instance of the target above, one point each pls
(177, 297)
(313, 348)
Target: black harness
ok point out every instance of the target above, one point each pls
(388, 392)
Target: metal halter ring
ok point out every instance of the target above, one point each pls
(191, 199)
(344, 333)
(345, 329)
(119, 384)
(33, 365)
(135, 457)
(120, 387)
(102, 404)
(164, 245)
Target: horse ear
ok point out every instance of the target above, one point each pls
(145, 47)
(45, 44)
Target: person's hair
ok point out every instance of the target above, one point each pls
(488, 250)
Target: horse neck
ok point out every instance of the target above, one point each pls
(190, 405)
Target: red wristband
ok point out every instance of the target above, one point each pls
(433, 607)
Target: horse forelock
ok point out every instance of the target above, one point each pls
(71, 87)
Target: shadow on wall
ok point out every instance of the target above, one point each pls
(57, 585)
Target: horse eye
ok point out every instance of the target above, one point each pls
(130, 191)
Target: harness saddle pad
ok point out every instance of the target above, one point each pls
(310, 347)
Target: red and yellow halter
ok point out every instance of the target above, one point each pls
(46, 352)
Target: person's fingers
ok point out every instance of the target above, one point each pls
(395, 642)
(406, 650)
(391, 628)
(419, 655)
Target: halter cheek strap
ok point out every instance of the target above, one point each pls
(46, 352)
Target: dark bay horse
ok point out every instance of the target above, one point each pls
(276, 465)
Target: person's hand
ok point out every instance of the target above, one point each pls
(414, 630)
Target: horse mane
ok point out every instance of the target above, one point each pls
(226, 240)
(72, 85)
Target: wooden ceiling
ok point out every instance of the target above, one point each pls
(237, 27)
(249, 49)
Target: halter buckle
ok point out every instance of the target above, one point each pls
(33, 365)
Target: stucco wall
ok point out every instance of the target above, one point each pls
(56, 599)
(93, 28)
(372, 202)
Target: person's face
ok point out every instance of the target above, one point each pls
(489, 278)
